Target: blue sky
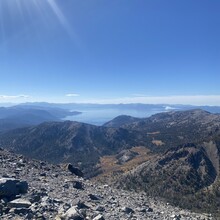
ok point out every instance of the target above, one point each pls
(150, 51)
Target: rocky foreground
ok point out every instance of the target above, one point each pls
(31, 189)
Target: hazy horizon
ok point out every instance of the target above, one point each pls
(87, 104)
(6, 104)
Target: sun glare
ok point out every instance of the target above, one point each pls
(23, 9)
(18, 16)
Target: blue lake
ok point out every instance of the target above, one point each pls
(100, 116)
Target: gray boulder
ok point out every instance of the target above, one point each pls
(12, 187)
(19, 203)
(73, 214)
(74, 170)
(99, 217)
(77, 185)
(127, 210)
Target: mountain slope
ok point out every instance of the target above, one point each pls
(85, 144)
(166, 130)
(23, 116)
(68, 142)
(75, 142)
(182, 174)
(121, 120)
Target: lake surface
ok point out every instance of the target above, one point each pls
(100, 114)
(97, 116)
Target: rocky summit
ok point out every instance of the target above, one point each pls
(31, 189)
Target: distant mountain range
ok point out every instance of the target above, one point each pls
(136, 106)
(27, 115)
(158, 133)
(99, 114)
(175, 155)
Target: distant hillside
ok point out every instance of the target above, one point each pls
(18, 117)
(165, 130)
(58, 112)
(78, 143)
(86, 144)
(121, 121)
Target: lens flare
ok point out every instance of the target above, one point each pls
(64, 22)
(59, 15)
(29, 12)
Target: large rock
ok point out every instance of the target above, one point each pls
(74, 170)
(127, 210)
(77, 185)
(19, 203)
(72, 214)
(99, 217)
(94, 197)
(11, 187)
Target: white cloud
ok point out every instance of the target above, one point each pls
(168, 108)
(72, 95)
(13, 96)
